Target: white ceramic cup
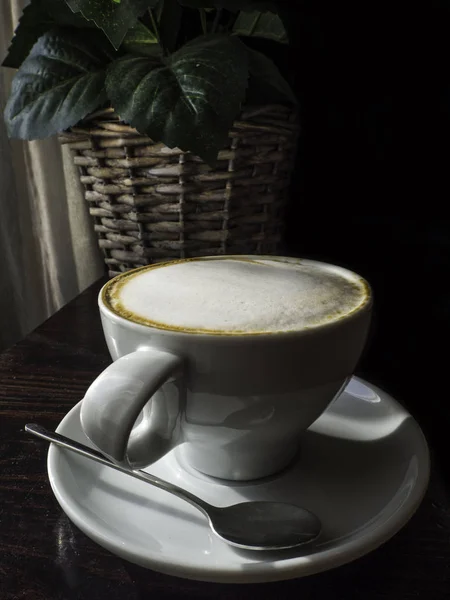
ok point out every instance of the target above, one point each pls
(235, 404)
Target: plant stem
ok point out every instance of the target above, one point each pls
(154, 25)
(255, 23)
(203, 20)
(216, 20)
(231, 21)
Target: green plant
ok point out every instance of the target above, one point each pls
(176, 70)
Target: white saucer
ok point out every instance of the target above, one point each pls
(363, 469)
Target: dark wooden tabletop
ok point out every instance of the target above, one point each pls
(44, 557)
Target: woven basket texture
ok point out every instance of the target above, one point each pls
(151, 203)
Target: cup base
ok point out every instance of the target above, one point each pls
(226, 475)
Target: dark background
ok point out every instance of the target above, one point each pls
(372, 178)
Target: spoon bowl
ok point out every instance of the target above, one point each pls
(264, 525)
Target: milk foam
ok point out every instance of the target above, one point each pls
(236, 295)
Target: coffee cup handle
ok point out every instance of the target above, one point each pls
(117, 397)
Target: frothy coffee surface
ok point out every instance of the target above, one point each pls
(236, 295)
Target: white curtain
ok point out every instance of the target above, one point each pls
(48, 251)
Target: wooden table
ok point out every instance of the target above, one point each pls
(44, 557)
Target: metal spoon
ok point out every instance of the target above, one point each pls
(249, 525)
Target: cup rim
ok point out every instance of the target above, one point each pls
(365, 306)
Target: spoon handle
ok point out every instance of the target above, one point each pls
(77, 447)
(64, 442)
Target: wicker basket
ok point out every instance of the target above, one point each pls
(151, 203)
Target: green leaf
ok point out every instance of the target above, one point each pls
(265, 74)
(63, 15)
(190, 99)
(140, 34)
(60, 82)
(140, 40)
(33, 23)
(114, 19)
(261, 24)
(38, 17)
